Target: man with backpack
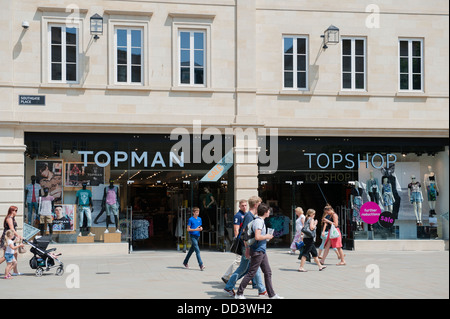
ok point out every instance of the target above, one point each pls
(253, 203)
(258, 254)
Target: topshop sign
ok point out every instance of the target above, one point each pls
(351, 161)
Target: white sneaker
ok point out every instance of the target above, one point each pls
(276, 297)
(79, 235)
(239, 296)
(91, 234)
(118, 231)
(106, 231)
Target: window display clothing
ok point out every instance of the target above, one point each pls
(84, 196)
(45, 212)
(395, 196)
(415, 192)
(45, 205)
(432, 190)
(357, 202)
(373, 189)
(84, 202)
(32, 191)
(388, 195)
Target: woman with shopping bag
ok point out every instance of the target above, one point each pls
(334, 239)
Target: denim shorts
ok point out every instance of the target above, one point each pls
(9, 258)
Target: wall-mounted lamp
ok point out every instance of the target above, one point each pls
(330, 36)
(96, 25)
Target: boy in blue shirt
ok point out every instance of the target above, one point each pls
(194, 226)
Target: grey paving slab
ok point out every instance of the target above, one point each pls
(161, 275)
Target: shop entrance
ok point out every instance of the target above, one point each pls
(159, 203)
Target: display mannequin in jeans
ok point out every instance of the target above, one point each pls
(194, 227)
(32, 191)
(243, 268)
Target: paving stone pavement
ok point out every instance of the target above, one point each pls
(161, 275)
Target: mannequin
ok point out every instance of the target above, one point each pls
(430, 182)
(111, 205)
(373, 189)
(32, 192)
(388, 196)
(389, 173)
(46, 207)
(356, 202)
(84, 202)
(416, 198)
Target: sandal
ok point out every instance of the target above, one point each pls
(341, 264)
(302, 270)
(323, 267)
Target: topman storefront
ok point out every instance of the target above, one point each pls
(140, 188)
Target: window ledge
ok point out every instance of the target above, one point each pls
(128, 87)
(353, 93)
(191, 89)
(295, 92)
(411, 94)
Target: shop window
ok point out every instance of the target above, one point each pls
(411, 65)
(63, 53)
(354, 64)
(128, 55)
(295, 62)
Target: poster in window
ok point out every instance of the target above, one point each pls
(64, 218)
(49, 175)
(76, 174)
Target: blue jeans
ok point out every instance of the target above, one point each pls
(85, 210)
(241, 271)
(30, 211)
(194, 247)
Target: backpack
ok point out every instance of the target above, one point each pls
(248, 235)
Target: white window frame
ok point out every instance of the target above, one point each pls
(129, 47)
(192, 58)
(191, 22)
(353, 64)
(410, 65)
(294, 70)
(63, 52)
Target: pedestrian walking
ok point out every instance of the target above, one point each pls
(194, 227)
(323, 237)
(243, 268)
(10, 224)
(258, 255)
(237, 225)
(299, 222)
(309, 238)
(331, 218)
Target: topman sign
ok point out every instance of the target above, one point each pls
(103, 159)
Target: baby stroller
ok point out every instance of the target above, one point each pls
(43, 259)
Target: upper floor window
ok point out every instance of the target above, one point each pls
(354, 64)
(411, 64)
(128, 55)
(192, 58)
(295, 62)
(63, 57)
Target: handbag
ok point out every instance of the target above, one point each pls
(299, 245)
(22, 250)
(236, 246)
(307, 231)
(334, 233)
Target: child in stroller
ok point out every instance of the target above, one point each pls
(44, 259)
